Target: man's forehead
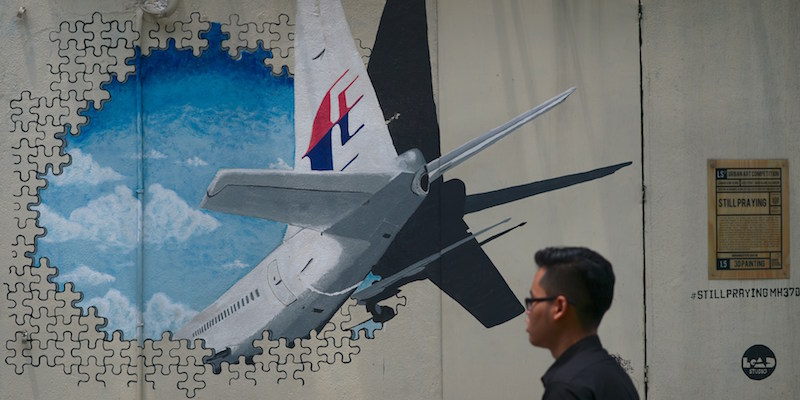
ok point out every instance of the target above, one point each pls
(536, 282)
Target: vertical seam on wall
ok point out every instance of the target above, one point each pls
(437, 101)
(140, 197)
(640, 17)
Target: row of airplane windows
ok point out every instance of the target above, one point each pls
(227, 312)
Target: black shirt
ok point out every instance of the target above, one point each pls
(587, 371)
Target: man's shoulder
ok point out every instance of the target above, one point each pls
(591, 371)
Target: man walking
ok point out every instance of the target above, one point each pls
(571, 291)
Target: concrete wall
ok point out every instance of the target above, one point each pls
(720, 81)
(495, 60)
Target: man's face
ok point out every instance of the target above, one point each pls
(538, 315)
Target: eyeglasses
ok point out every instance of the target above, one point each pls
(530, 300)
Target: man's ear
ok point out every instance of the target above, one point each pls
(559, 308)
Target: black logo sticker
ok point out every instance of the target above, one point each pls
(758, 362)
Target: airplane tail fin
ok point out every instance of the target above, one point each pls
(439, 166)
(339, 124)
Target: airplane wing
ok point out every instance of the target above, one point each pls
(414, 269)
(455, 157)
(313, 200)
(339, 124)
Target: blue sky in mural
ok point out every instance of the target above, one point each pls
(200, 114)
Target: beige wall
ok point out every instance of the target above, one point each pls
(720, 81)
(497, 59)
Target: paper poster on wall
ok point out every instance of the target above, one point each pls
(748, 219)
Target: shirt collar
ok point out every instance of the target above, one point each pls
(591, 341)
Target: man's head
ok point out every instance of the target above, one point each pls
(571, 291)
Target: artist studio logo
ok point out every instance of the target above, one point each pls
(758, 362)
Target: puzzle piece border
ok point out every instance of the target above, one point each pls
(73, 91)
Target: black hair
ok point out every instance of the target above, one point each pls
(583, 276)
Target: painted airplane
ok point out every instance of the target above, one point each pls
(347, 203)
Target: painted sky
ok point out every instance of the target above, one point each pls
(199, 114)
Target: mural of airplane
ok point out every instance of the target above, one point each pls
(353, 205)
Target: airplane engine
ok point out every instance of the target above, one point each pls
(421, 182)
(413, 160)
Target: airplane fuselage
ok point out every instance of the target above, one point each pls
(300, 285)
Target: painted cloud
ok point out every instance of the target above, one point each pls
(162, 314)
(84, 170)
(119, 311)
(110, 220)
(169, 218)
(87, 276)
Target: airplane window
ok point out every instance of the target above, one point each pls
(251, 296)
(247, 299)
(257, 295)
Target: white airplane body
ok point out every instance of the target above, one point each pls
(344, 202)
